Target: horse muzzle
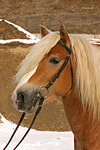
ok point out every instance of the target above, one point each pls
(25, 101)
(26, 98)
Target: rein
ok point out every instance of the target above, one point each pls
(40, 98)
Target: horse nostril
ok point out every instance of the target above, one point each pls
(21, 97)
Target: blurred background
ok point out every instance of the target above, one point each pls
(80, 16)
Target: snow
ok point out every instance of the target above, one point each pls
(35, 140)
(32, 38)
(25, 41)
(94, 41)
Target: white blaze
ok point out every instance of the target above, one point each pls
(25, 78)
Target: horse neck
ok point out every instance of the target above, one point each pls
(81, 122)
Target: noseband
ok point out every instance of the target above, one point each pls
(40, 98)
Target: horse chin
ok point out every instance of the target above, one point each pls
(29, 111)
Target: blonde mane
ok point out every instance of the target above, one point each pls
(37, 53)
(87, 80)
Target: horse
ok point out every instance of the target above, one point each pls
(78, 84)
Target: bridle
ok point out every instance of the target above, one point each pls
(69, 50)
(40, 98)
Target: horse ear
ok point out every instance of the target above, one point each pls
(64, 35)
(43, 31)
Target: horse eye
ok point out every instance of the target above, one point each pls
(54, 60)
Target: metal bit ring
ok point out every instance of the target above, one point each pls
(44, 86)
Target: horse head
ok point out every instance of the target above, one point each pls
(35, 81)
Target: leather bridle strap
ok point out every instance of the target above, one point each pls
(41, 99)
(69, 50)
(63, 66)
(59, 72)
(21, 119)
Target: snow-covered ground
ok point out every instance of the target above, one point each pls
(93, 39)
(31, 37)
(35, 140)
